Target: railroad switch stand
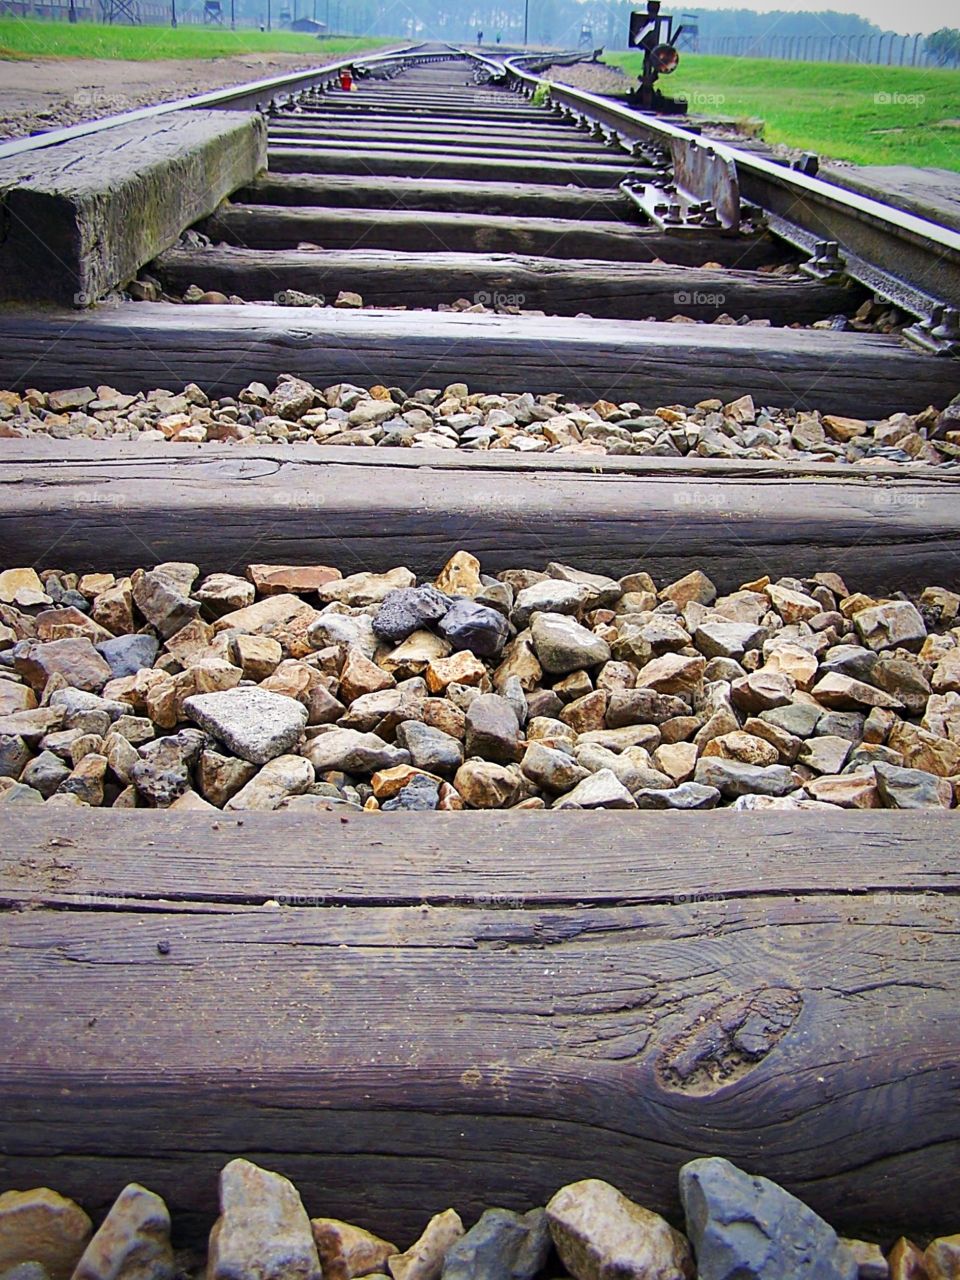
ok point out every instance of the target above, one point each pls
(654, 33)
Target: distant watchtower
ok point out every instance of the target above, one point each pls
(121, 11)
(212, 12)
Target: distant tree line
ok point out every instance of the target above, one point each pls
(560, 22)
(944, 46)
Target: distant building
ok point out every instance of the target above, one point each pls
(308, 26)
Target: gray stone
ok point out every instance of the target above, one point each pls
(344, 629)
(910, 788)
(502, 1246)
(162, 603)
(748, 1228)
(45, 773)
(419, 793)
(175, 749)
(602, 790)
(897, 624)
(512, 690)
(563, 645)
(903, 679)
(733, 778)
(20, 793)
(689, 795)
(253, 722)
(26, 1271)
(126, 655)
(727, 639)
(408, 609)
(604, 591)
(798, 718)
(78, 704)
(635, 774)
(14, 755)
(477, 627)
(132, 1242)
(643, 706)
(263, 1232)
(430, 749)
(549, 596)
(550, 769)
(849, 660)
(841, 724)
(160, 782)
(353, 752)
(492, 729)
(280, 777)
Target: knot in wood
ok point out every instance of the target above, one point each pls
(729, 1040)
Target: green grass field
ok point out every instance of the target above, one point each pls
(20, 38)
(870, 115)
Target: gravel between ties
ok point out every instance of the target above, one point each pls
(297, 688)
(736, 1225)
(295, 411)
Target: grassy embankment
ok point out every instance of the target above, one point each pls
(870, 115)
(21, 38)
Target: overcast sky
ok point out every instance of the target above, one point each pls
(891, 15)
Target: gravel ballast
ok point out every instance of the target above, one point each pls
(736, 1227)
(293, 687)
(296, 412)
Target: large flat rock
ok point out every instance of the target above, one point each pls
(82, 217)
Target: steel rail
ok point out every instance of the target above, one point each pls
(913, 262)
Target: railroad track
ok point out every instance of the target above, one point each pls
(183, 990)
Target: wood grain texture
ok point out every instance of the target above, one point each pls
(133, 346)
(392, 1059)
(606, 289)
(471, 139)
(113, 513)
(363, 129)
(442, 194)
(882, 478)
(290, 158)
(401, 860)
(609, 161)
(81, 218)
